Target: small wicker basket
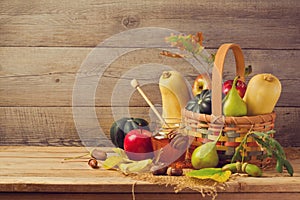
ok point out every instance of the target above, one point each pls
(206, 128)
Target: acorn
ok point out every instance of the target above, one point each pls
(251, 170)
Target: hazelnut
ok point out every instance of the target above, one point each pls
(99, 154)
(93, 163)
(159, 170)
(171, 171)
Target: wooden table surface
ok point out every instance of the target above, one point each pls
(28, 172)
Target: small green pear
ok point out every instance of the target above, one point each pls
(205, 156)
(234, 105)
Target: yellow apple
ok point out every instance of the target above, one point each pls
(202, 82)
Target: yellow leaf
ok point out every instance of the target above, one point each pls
(112, 161)
(135, 167)
(215, 174)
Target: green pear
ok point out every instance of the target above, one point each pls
(205, 156)
(234, 105)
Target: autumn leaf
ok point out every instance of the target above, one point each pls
(215, 174)
(124, 164)
(136, 166)
(112, 161)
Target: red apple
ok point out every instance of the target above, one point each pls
(202, 82)
(137, 144)
(240, 86)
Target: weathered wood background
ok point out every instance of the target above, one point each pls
(43, 44)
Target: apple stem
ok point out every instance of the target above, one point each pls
(248, 70)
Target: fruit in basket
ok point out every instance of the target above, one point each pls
(201, 83)
(201, 103)
(262, 94)
(240, 86)
(234, 105)
(175, 94)
(138, 145)
(121, 127)
(205, 156)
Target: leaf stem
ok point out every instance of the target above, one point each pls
(270, 145)
(76, 157)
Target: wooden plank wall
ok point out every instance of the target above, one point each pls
(43, 44)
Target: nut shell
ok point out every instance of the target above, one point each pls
(93, 163)
(99, 154)
(174, 171)
(158, 170)
(253, 170)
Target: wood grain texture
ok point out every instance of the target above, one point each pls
(28, 75)
(44, 43)
(258, 24)
(35, 172)
(146, 196)
(55, 126)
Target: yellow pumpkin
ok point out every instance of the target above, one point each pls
(262, 94)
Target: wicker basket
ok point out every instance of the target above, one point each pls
(206, 128)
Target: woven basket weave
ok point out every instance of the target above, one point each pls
(206, 128)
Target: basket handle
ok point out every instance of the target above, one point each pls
(217, 74)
